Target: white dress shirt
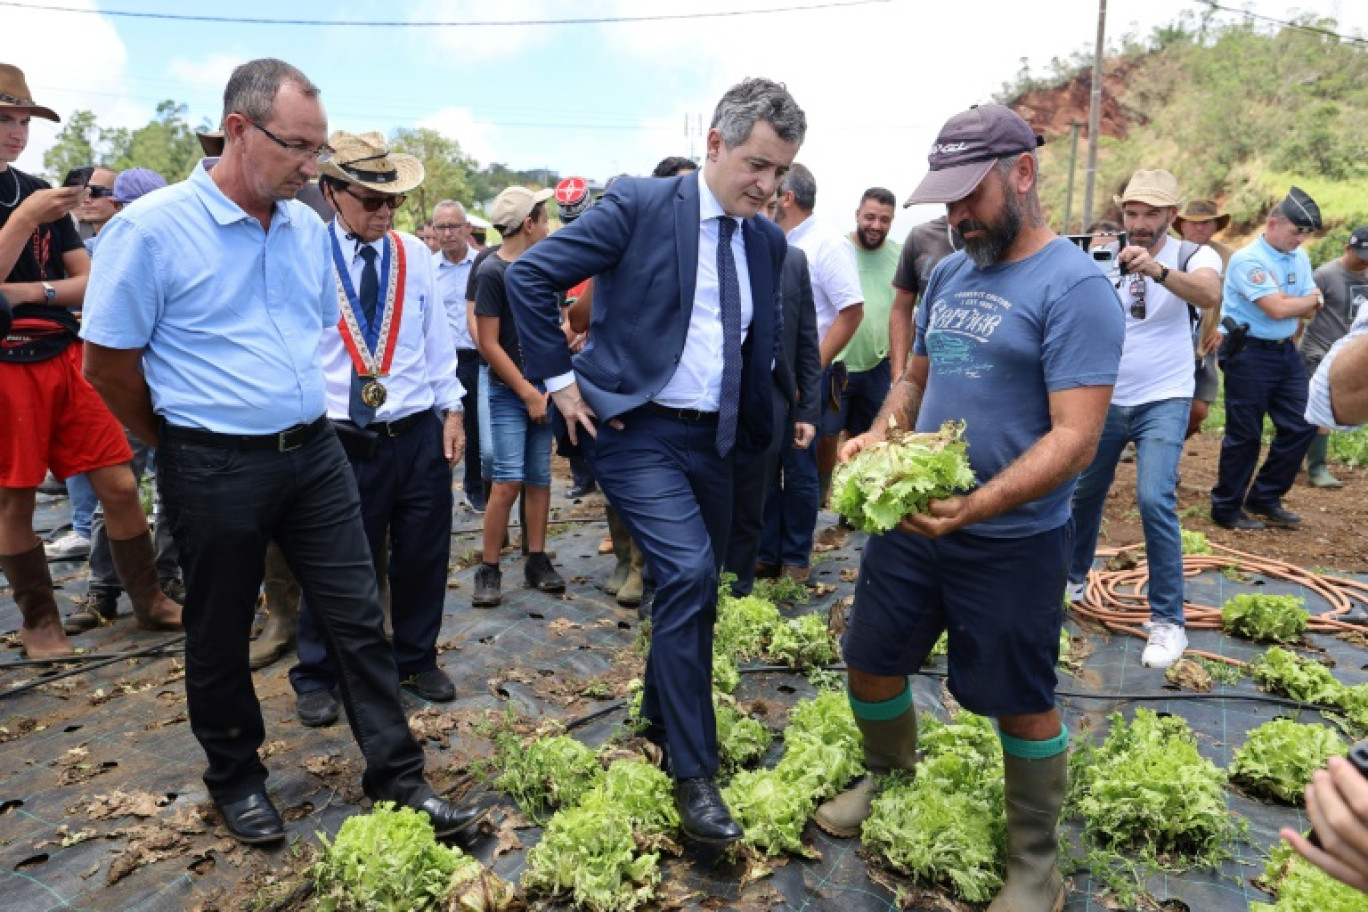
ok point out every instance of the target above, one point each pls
(834, 271)
(423, 371)
(697, 381)
(452, 280)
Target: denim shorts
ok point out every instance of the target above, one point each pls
(521, 447)
(1000, 600)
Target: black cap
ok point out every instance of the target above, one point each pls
(1301, 210)
(967, 147)
(1359, 240)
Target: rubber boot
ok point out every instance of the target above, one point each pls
(1035, 796)
(277, 637)
(888, 745)
(622, 550)
(136, 565)
(41, 632)
(634, 588)
(1317, 474)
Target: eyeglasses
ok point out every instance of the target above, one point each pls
(444, 229)
(322, 154)
(373, 203)
(96, 191)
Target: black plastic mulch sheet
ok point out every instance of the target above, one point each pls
(121, 728)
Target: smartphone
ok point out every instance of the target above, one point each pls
(78, 177)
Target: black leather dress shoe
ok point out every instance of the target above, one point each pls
(317, 708)
(432, 685)
(1276, 516)
(1239, 522)
(449, 818)
(703, 816)
(253, 819)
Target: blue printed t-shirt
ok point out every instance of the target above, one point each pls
(1257, 271)
(1000, 340)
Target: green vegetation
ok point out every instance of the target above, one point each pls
(1349, 448)
(1266, 618)
(900, 475)
(1302, 887)
(1195, 542)
(1279, 757)
(548, 773)
(1288, 674)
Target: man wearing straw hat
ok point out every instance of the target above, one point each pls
(203, 322)
(391, 371)
(1151, 401)
(1197, 222)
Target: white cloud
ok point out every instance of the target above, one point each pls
(478, 139)
(204, 74)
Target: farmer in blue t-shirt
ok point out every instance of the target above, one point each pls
(1020, 336)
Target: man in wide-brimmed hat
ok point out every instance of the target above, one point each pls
(389, 363)
(1162, 281)
(53, 418)
(1268, 288)
(207, 304)
(1196, 222)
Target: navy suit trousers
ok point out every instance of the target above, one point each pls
(405, 490)
(674, 493)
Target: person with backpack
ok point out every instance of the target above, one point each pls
(1159, 281)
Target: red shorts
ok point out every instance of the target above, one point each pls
(53, 419)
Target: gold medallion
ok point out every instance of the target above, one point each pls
(374, 394)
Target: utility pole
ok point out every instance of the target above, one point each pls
(693, 132)
(1095, 113)
(1073, 169)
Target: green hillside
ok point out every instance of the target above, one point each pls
(1238, 111)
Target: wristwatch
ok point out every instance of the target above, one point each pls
(1163, 274)
(49, 293)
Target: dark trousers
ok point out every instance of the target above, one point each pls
(751, 483)
(1261, 381)
(791, 507)
(225, 505)
(405, 490)
(674, 493)
(468, 372)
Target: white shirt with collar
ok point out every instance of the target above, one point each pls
(697, 381)
(423, 371)
(835, 273)
(452, 280)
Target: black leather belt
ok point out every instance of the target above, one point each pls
(692, 416)
(396, 428)
(292, 438)
(1266, 343)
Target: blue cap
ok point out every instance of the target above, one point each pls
(136, 182)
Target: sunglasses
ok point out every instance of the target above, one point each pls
(1136, 289)
(373, 203)
(96, 191)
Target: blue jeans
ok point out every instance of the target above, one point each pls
(522, 447)
(1157, 429)
(486, 436)
(83, 503)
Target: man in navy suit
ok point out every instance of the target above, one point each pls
(678, 373)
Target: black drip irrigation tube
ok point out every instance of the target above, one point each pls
(88, 662)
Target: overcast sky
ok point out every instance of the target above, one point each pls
(876, 78)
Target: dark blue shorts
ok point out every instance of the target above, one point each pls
(1000, 599)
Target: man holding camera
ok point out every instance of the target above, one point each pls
(1268, 288)
(1159, 280)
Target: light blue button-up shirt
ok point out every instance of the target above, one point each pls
(1256, 271)
(452, 280)
(228, 316)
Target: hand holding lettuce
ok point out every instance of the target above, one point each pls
(901, 474)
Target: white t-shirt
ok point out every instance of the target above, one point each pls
(831, 264)
(1156, 362)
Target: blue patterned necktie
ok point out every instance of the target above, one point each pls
(729, 292)
(370, 283)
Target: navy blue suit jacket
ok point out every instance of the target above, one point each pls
(640, 244)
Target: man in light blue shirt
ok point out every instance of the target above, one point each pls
(202, 331)
(1268, 288)
(454, 260)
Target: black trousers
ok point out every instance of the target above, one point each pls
(468, 372)
(225, 504)
(405, 490)
(750, 486)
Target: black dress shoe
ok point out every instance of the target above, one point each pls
(703, 816)
(253, 819)
(1239, 522)
(1277, 516)
(449, 818)
(317, 708)
(581, 490)
(432, 685)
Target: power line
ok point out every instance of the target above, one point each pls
(594, 20)
(1296, 26)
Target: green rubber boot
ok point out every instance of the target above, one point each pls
(1035, 796)
(622, 550)
(1316, 471)
(888, 745)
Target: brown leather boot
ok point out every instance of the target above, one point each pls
(634, 587)
(136, 565)
(277, 637)
(41, 632)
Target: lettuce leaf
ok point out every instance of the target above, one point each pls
(1266, 618)
(388, 859)
(900, 475)
(1278, 758)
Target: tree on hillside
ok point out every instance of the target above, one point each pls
(80, 142)
(167, 144)
(448, 169)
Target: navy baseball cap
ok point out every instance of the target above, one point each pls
(1359, 240)
(968, 146)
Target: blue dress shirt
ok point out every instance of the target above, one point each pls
(1259, 270)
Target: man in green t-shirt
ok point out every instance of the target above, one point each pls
(866, 354)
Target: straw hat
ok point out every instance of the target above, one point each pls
(366, 160)
(1201, 210)
(1156, 188)
(14, 93)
